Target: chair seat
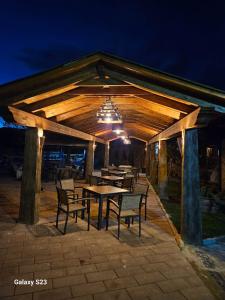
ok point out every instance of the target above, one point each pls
(73, 207)
(125, 213)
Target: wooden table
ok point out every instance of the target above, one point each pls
(103, 191)
(110, 178)
(117, 173)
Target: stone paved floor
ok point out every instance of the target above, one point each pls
(91, 265)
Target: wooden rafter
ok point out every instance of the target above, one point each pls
(27, 119)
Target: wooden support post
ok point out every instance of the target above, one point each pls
(31, 179)
(106, 157)
(222, 167)
(162, 170)
(147, 160)
(152, 163)
(191, 221)
(89, 160)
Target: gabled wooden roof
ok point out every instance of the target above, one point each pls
(149, 101)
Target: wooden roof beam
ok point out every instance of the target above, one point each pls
(30, 120)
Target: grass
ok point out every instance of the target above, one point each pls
(212, 224)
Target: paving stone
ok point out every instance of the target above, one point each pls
(114, 295)
(86, 297)
(144, 291)
(34, 267)
(81, 269)
(55, 294)
(168, 296)
(19, 297)
(173, 285)
(128, 271)
(152, 267)
(197, 293)
(23, 289)
(178, 272)
(65, 263)
(99, 276)
(88, 288)
(50, 274)
(6, 290)
(144, 278)
(120, 283)
(68, 280)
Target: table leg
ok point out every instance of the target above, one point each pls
(83, 203)
(100, 212)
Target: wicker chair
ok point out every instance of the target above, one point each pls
(71, 189)
(128, 206)
(142, 189)
(71, 206)
(126, 183)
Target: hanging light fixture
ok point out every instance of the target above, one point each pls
(117, 128)
(108, 113)
(127, 141)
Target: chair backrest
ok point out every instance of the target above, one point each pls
(104, 173)
(130, 201)
(141, 189)
(127, 182)
(67, 184)
(93, 180)
(112, 168)
(62, 196)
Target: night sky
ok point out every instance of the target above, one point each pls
(187, 40)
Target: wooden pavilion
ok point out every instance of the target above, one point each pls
(155, 107)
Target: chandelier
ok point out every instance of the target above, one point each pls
(108, 113)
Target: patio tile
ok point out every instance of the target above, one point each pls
(68, 280)
(81, 270)
(114, 295)
(19, 297)
(173, 285)
(50, 274)
(99, 276)
(34, 267)
(144, 291)
(55, 294)
(149, 277)
(168, 296)
(129, 271)
(6, 290)
(120, 283)
(197, 293)
(23, 289)
(88, 289)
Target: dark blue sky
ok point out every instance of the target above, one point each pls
(185, 38)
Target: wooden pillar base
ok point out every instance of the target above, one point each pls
(31, 179)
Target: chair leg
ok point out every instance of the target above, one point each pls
(139, 223)
(145, 210)
(67, 216)
(118, 228)
(128, 222)
(57, 218)
(76, 216)
(107, 216)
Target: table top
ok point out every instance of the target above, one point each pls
(112, 178)
(105, 189)
(117, 172)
